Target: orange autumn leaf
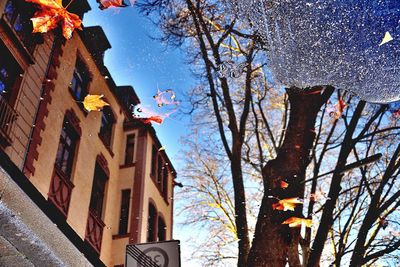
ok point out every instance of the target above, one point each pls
(51, 14)
(298, 222)
(287, 204)
(104, 4)
(94, 102)
(284, 185)
(341, 106)
(156, 119)
(337, 110)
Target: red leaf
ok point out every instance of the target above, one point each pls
(156, 119)
(104, 4)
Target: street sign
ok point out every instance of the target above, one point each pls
(156, 254)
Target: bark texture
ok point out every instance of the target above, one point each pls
(275, 244)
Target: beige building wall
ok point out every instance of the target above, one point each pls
(50, 69)
(90, 145)
(34, 68)
(152, 193)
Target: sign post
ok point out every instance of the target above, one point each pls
(156, 254)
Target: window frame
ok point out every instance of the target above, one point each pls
(107, 135)
(152, 223)
(97, 197)
(154, 154)
(14, 70)
(123, 225)
(165, 175)
(23, 11)
(74, 137)
(161, 229)
(130, 149)
(159, 177)
(82, 78)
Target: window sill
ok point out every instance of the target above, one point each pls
(106, 146)
(118, 236)
(127, 165)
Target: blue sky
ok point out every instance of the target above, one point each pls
(147, 64)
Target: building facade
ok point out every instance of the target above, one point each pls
(94, 182)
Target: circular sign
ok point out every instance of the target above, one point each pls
(158, 257)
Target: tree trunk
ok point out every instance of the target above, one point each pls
(240, 210)
(275, 244)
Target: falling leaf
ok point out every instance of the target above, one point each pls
(298, 222)
(104, 4)
(94, 102)
(147, 115)
(395, 233)
(166, 97)
(318, 195)
(156, 119)
(337, 110)
(287, 204)
(384, 223)
(396, 113)
(52, 14)
(386, 39)
(162, 148)
(284, 185)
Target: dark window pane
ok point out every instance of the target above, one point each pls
(18, 14)
(130, 148)
(159, 171)
(153, 161)
(124, 214)
(107, 122)
(9, 73)
(80, 80)
(18, 26)
(165, 182)
(98, 191)
(161, 230)
(151, 223)
(9, 10)
(66, 149)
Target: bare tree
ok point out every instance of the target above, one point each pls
(300, 143)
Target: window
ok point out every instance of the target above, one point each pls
(107, 122)
(152, 223)
(129, 149)
(153, 161)
(164, 189)
(9, 75)
(98, 192)
(161, 229)
(159, 171)
(124, 214)
(61, 185)
(18, 14)
(80, 80)
(66, 149)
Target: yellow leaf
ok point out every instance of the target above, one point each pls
(287, 204)
(94, 102)
(297, 222)
(386, 39)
